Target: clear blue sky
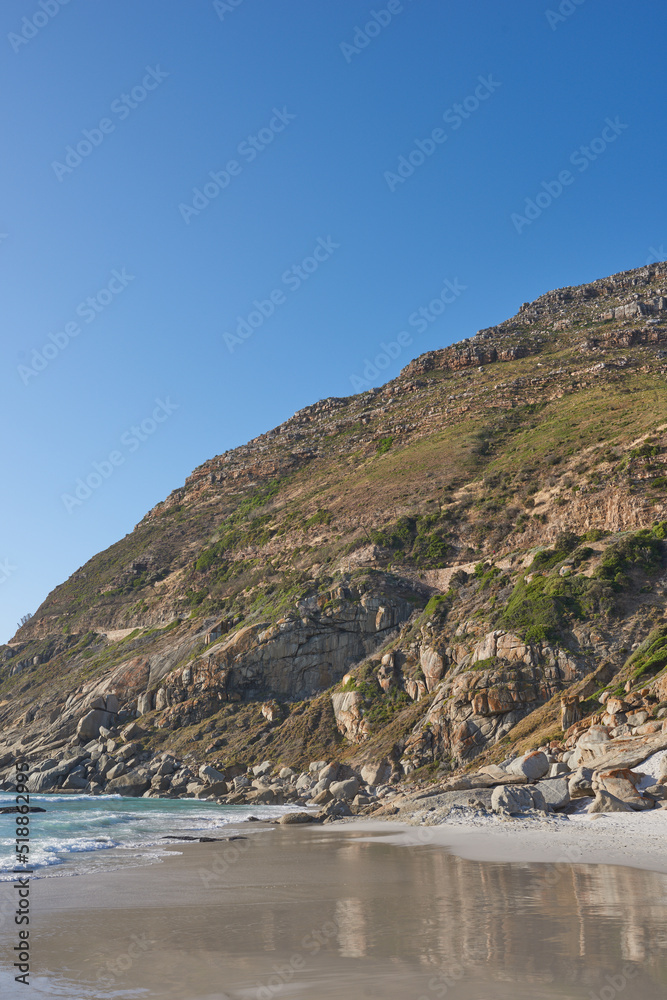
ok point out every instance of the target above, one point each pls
(313, 116)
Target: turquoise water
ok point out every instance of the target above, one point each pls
(75, 831)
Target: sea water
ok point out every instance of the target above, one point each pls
(73, 833)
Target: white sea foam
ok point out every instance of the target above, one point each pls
(76, 825)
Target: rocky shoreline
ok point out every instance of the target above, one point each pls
(592, 771)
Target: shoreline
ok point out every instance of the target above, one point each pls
(631, 840)
(323, 908)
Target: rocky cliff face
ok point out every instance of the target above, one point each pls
(415, 572)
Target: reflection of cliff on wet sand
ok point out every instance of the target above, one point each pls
(529, 923)
(322, 913)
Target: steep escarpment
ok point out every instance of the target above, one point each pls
(412, 573)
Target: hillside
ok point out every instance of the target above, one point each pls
(429, 572)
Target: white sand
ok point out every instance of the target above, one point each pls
(636, 840)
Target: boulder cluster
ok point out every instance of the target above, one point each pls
(116, 763)
(597, 774)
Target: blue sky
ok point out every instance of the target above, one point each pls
(365, 155)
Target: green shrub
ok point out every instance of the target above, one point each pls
(488, 664)
(320, 517)
(539, 610)
(546, 559)
(651, 657)
(594, 535)
(438, 603)
(532, 612)
(646, 451)
(640, 550)
(582, 555)
(384, 444)
(423, 538)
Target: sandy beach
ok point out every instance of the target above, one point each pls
(635, 840)
(364, 909)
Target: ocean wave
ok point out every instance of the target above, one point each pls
(88, 824)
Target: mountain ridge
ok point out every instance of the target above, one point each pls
(343, 573)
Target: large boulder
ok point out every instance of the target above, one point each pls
(128, 751)
(433, 667)
(88, 727)
(555, 791)
(590, 745)
(145, 702)
(216, 789)
(265, 796)
(260, 770)
(115, 771)
(477, 799)
(580, 783)
(322, 797)
(621, 783)
(604, 802)
(532, 765)
(328, 773)
(166, 766)
(76, 782)
(627, 751)
(290, 819)
(112, 704)
(210, 774)
(134, 783)
(132, 732)
(44, 781)
(515, 800)
(348, 710)
(344, 789)
(376, 774)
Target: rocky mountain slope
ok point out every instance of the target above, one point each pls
(467, 562)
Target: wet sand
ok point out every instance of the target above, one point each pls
(348, 911)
